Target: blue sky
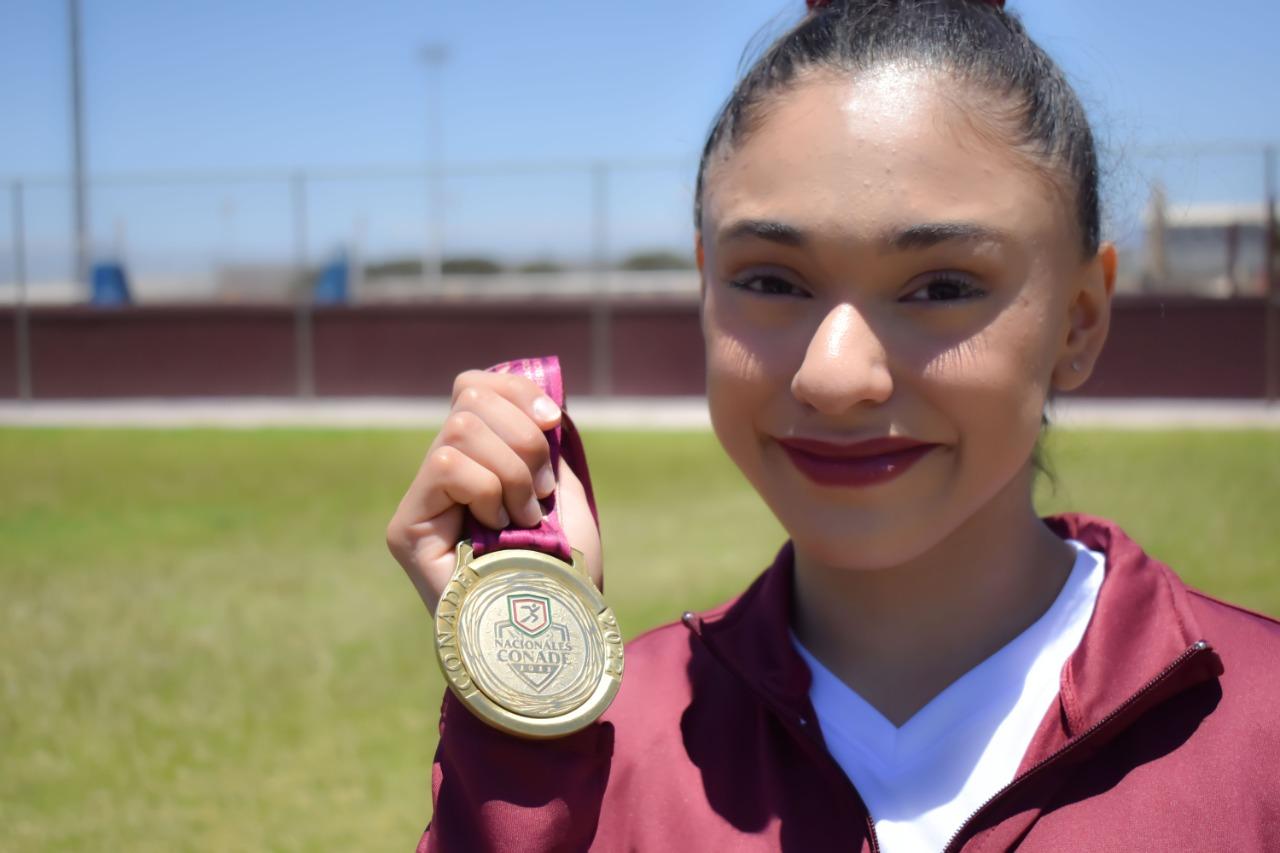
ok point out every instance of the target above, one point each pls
(285, 85)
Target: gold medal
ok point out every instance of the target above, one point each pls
(523, 637)
(527, 642)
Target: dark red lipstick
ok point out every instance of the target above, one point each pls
(865, 463)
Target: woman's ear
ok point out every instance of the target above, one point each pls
(1087, 321)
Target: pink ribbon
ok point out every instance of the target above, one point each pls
(548, 536)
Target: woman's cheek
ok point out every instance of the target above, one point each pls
(952, 361)
(732, 358)
(733, 375)
(990, 380)
(740, 391)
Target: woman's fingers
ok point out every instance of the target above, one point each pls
(490, 458)
(428, 523)
(499, 398)
(520, 390)
(456, 479)
(513, 426)
(500, 444)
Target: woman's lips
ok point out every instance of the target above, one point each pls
(865, 463)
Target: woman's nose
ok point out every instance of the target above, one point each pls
(844, 365)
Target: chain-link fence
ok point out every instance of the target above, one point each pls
(268, 237)
(1193, 222)
(1186, 219)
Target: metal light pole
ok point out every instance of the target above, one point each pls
(435, 56)
(80, 220)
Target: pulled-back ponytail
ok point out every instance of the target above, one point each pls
(977, 42)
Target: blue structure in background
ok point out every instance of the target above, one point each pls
(331, 286)
(108, 285)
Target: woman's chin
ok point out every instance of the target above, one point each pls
(852, 550)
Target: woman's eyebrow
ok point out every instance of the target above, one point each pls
(928, 234)
(919, 236)
(762, 229)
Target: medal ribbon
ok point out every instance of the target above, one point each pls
(564, 441)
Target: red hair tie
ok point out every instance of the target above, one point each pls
(821, 4)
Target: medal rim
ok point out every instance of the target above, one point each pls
(469, 573)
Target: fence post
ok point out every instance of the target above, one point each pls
(21, 321)
(1271, 313)
(304, 348)
(601, 319)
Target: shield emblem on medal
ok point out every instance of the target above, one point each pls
(530, 613)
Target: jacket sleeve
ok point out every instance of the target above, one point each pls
(494, 791)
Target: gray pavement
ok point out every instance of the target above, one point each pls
(616, 412)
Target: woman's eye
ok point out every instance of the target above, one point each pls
(766, 284)
(945, 289)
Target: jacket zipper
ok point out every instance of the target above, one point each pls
(1190, 652)
(835, 771)
(786, 717)
(829, 764)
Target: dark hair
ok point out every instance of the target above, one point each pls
(976, 42)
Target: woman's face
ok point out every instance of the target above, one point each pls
(875, 264)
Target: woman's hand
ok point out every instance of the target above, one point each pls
(492, 458)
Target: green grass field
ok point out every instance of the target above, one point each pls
(205, 646)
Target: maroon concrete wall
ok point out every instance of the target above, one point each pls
(658, 350)
(1183, 347)
(8, 356)
(169, 351)
(1166, 347)
(417, 350)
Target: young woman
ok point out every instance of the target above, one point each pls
(899, 241)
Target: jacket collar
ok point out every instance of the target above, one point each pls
(1139, 648)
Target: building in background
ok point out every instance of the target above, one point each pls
(1206, 249)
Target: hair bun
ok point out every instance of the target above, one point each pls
(821, 4)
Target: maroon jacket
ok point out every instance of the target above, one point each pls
(1165, 736)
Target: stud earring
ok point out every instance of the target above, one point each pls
(1075, 365)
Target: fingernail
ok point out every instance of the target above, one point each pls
(545, 409)
(535, 511)
(503, 518)
(544, 481)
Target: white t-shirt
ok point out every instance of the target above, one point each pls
(922, 781)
